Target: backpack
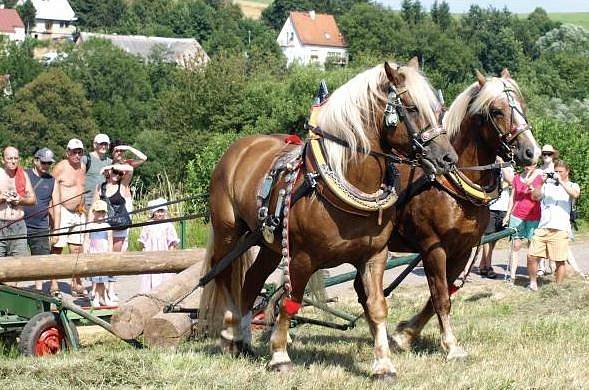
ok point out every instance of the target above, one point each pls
(117, 215)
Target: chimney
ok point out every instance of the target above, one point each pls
(312, 15)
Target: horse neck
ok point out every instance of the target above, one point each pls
(366, 172)
(472, 150)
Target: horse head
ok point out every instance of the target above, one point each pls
(412, 119)
(500, 105)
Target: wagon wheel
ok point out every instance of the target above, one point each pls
(44, 335)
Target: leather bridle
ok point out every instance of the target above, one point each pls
(395, 112)
(507, 139)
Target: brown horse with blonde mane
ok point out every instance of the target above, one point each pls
(320, 231)
(445, 220)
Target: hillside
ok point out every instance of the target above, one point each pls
(580, 18)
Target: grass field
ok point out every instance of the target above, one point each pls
(580, 18)
(516, 340)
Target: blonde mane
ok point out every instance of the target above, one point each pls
(354, 111)
(475, 100)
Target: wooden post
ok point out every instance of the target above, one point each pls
(130, 321)
(16, 269)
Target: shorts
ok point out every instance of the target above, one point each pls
(550, 244)
(39, 245)
(523, 229)
(495, 222)
(68, 219)
(120, 233)
(13, 247)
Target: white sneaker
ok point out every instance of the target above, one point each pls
(113, 297)
(95, 302)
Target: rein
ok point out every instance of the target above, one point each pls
(387, 156)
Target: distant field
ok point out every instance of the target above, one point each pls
(580, 18)
(252, 9)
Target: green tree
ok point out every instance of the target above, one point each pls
(277, 13)
(48, 112)
(17, 61)
(104, 14)
(440, 14)
(27, 13)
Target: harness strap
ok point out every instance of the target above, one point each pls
(487, 167)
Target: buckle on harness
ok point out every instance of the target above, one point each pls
(262, 213)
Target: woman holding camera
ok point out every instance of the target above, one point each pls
(523, 212)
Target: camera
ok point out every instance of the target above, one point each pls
(550, 175)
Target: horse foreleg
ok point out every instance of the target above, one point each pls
(435, 268)
(375, 309)
(407, 331)
(266, 262)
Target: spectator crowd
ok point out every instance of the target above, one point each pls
(538, 205)
(83, 191)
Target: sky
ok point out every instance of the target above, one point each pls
(516, 6)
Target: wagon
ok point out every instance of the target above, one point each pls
(43, 324)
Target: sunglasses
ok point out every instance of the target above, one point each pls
(103, 144)
(115, 172)
(46, 162)
(76, 151)
(547, 154)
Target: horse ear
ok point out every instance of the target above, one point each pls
(480, 77)
(392, 74)
(413, 63)
(505, 74)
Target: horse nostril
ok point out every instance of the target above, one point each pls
(448, 159)
(529, 153)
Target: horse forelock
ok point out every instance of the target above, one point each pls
(477, 100)
(350, 113)
(422, 94)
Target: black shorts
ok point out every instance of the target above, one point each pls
(39, 245)
(495, 222)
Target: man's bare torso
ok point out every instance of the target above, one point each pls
(71, 183)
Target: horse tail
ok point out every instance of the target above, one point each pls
(213, 304)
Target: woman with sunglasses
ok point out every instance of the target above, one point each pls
(113, 191)
(549, 155)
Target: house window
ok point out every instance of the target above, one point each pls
(48, 26)
(291, 38)
(64, 24)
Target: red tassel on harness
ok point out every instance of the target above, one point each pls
(291, 307)
(293, 139)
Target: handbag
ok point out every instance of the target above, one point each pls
(117, 215)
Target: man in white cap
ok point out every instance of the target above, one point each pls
(70, 175)
(40, 217)
(95, 161)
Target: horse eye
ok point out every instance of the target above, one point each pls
(496, 113)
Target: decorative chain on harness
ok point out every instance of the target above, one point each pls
(290, 179)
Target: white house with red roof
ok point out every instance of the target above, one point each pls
(312, 38)
(11, 25)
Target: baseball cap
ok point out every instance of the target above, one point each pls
(75, 143)
(99, 205)
(100, 138)
(153, 204)
(45, 155)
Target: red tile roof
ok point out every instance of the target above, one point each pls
(320, 30)
(9, 20)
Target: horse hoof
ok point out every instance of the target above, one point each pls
(401, 342)
(388, 377)
(456, 354)
(284, 367)
(231, 347)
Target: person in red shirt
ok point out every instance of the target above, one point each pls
(523, 212)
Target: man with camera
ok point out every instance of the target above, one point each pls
(15, 192)
(551, 238)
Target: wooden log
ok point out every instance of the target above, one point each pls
(16, 269)
(168, 330)
(132, 316)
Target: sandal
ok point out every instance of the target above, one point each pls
(483, 271)
(79, 291)
(490, 273)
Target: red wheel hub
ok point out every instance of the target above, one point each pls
(49, 342)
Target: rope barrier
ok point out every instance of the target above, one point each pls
(132, 225)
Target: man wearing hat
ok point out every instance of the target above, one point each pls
(94, 162)
(40, 217)
(70, 177)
